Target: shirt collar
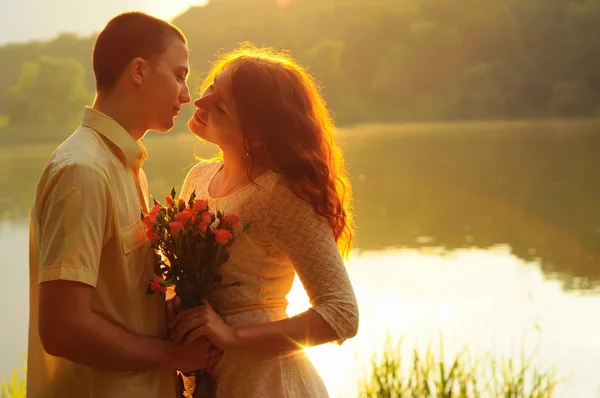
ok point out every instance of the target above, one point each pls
(134, 151)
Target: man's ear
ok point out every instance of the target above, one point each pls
(137, 70)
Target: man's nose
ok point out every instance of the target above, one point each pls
(185, 95)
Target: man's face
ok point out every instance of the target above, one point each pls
(164, 89)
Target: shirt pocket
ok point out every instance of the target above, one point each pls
(133, 237)
(138, 255)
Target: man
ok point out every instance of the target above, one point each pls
(93, 330)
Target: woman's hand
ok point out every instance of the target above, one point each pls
(193, 323)
(172, 308)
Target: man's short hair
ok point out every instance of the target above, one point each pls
(127, 36)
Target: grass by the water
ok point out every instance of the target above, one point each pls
(14, 387)
(396, 373)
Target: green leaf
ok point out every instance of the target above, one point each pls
(192, 198)
(173, 193)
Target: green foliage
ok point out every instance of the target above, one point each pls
(429, 374)
(49, 92)
(14, 387)
(376, 61)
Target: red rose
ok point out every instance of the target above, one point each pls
(223, 236)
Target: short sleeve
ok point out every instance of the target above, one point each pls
(188, 183)
(194, 179)
(74, 220)
(306, 239)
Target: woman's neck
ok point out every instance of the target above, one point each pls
(235, 166)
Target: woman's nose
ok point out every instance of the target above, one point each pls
(198, 103)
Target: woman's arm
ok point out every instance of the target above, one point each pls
(306, 239)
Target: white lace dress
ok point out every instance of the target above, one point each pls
(286, 237)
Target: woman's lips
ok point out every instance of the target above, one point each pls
(199, 118)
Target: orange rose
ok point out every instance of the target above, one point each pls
(184, 216)
(169, 200)
(206, 218)
(155, 286)
(155, 209)
(175, 227)
(152, 237)
(231, 221)
(223, 236)
(149, 220)
(200, 205)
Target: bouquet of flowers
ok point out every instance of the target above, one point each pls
(190, 244)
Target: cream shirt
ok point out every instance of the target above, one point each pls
(86, 227)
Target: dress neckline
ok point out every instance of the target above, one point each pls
(212, 176)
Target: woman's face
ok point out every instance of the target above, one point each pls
(215, 119)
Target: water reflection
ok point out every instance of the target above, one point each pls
(533, 187)
(487, 301)
(536, 191)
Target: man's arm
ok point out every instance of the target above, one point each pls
(69, 328)
(74, 216)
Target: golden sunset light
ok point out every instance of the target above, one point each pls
(425, 171)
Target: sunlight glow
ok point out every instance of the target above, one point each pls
(171, 9)
(459, 297)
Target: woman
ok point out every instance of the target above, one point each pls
(281, 171)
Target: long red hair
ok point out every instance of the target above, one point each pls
(280, 107)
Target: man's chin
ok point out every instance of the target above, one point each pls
(164, 128)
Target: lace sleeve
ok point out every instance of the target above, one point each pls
(306, 239)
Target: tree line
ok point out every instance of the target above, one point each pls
(377, 61)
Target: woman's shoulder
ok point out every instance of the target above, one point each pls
(203, 167)
(198, 173)
(281, 193)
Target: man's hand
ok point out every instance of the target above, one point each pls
(203, 322)
(195, 356)
(69, 328)
(213, 359)
(172, 308)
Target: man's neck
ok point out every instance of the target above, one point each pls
(119, 109)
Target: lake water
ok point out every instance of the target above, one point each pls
(486, 234)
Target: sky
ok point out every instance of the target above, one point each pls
(24, 20)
